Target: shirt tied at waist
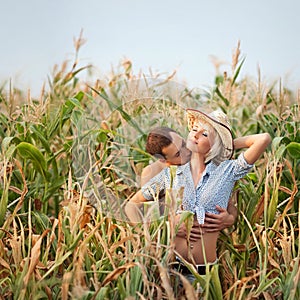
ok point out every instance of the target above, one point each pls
(200, 214)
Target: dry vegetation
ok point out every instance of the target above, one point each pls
(71, 159)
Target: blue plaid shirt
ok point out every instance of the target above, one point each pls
(214, 187)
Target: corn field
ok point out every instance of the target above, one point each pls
(71, 158)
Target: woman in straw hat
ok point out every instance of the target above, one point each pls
(208, 179)
(169, 149)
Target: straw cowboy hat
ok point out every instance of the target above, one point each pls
(219, 121)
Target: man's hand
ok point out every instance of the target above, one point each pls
(212, 222)
(195, 234)
(217, 222)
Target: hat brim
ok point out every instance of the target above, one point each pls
(222, 129)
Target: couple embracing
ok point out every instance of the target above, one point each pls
(206, 172)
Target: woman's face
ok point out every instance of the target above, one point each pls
(200, 138)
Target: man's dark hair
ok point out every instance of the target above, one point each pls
(158, 139)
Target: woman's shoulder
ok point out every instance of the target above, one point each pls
(225, 164)
(237, 166)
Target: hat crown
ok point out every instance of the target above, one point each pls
(220, 122)
(220, 117)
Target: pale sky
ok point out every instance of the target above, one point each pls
(163, 35)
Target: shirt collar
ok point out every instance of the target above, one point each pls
(209, 168)
(182, 168)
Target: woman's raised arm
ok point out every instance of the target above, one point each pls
(256, 144)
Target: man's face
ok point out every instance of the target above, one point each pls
(177, 153)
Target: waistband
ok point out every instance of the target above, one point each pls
(201, 269)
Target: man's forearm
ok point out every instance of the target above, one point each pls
(132, 208)
(232, 211)
(133, 212)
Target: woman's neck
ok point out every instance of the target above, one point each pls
(197, 167)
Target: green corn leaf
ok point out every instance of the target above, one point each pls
(293, 149)
(276, 142)
(41, 137)
(55, 185)
(118, 108)
(280, 151)
(58, 261)
(272, 207)
(8, 146)
(216, 284)
(267, 283)
(290, 127)
(3, 204)
(74, 103)
(29, 151)
(41, 220)
(76, 240)
(6, 142)
(219, 79)
(72, 75)
(79, 96)
(225, 100)
(237, 72)
(102, 136)
(10, 151)
(186, 217)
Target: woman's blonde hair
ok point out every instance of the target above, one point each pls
(215, 151)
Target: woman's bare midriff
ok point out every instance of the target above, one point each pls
(193, 251)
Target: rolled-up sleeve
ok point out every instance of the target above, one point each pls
(241, 167)
(154, 186)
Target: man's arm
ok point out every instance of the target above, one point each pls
(132, 207)
(225, 218)
(152, 170)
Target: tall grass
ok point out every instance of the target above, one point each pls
(71, 159)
